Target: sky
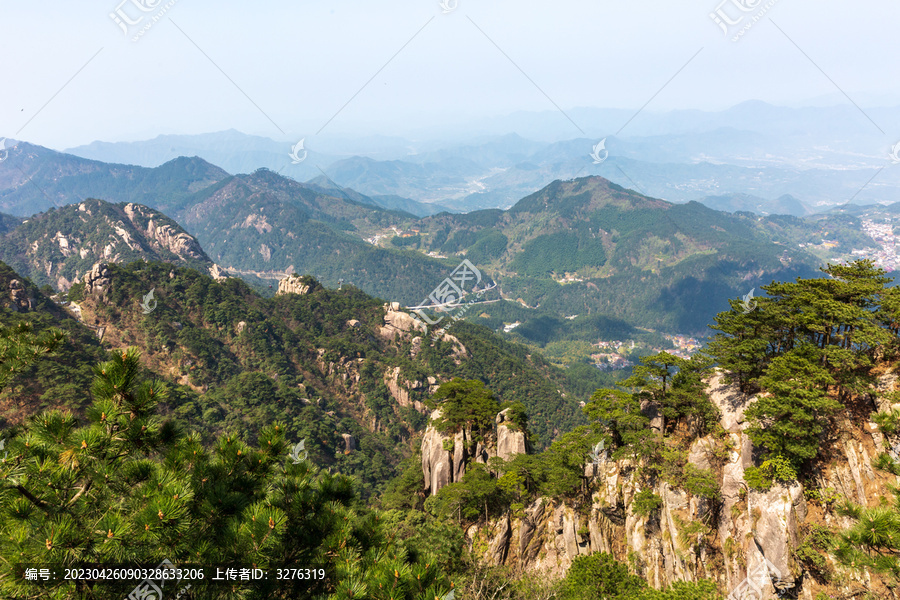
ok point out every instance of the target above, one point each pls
(307, 68)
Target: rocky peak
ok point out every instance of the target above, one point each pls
(510, 441)
(21, 301)
(97, 279)
(293, 284)
(445, 457)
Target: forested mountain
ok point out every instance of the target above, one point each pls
(765, 464)
(588, 246)
(581, 248)
(33, 179)
(326, 362)
(268, 225)
(59, 246)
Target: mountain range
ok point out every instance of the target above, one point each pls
(820, 155)
(575, 249)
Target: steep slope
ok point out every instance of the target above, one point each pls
(33, 179)
(58, 381)
(326, 362)
(58, 247)
(264, 224)
(588, 246)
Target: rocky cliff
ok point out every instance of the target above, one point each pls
(746, 540)
(446, 457)
(58, 247)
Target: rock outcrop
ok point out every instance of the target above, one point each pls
(445, 457)
(437, 462)
(397, 322)
(293, 285)
(216, 272)
(510, 441)
(163, 235)
(19, 298)
(745, 533)
(97, 279)
(405, 392)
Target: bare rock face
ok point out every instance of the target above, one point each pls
(450, 455)
(292, 285)
(164, 235)
(760, 528)
(437, 462)
(97, 279)
(18, 295)
(509, 440)
(401, 392)
(217, 273)
(349, 443)
(398, 322)
(500, 543)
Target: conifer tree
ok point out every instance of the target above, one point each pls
(130, 488)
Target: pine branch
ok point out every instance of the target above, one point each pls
(34, 499)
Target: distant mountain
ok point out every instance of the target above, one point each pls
(784, 205)
(33, 179)
(324, 185)
(59, 246)
(589, 246)
(267, 225)
(232, 150)
(8, 223)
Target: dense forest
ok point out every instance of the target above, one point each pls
(132, 469)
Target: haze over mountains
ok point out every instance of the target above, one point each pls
(819, 155)
(579, 249)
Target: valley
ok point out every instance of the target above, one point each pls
(449, 300)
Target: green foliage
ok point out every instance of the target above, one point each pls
(884, 462)
(765, 475)
(618, 416)
(646, 503)
(600, 576)
(464, 405)
(873, 541)
(403, 242)
(790, 420)
(558, 253)
(21, 346)
(701, 482)
(129, 487)
(816, 542)
(888, 422)
(676, 386)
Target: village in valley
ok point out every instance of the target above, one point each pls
(615, 354)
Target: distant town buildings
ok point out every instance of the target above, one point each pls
(883, 234)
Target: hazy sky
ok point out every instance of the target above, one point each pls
(351, 67)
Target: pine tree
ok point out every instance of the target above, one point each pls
(129, 488)
(790, 418)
